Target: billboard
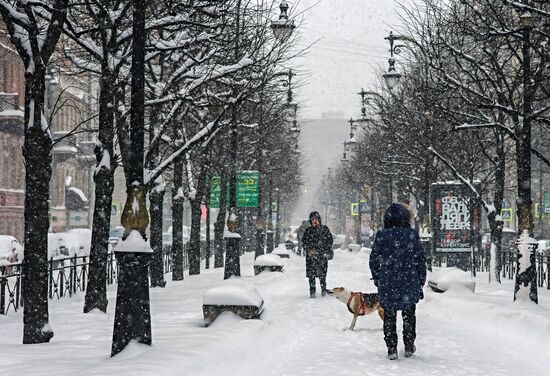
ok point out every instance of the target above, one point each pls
(455, 218)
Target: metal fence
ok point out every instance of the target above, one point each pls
(508, 264)
(66, 276)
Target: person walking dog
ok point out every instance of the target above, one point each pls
(398, 267)
(317, 243)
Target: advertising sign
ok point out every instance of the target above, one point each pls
(455, 218)
(214, 191)
(546, 202)
(247, 190)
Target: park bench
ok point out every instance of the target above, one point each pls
(241, 299)
(269, 262)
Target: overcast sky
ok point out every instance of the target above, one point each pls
(348, 54)
(349, 51)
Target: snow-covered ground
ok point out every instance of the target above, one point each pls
(459, 333)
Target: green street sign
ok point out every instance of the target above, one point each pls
(546, 202)
(215, 192)
(247, 190)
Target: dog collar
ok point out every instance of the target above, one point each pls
(362, 307)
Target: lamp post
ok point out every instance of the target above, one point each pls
(526, 276)
(392, 77)
(282, 29)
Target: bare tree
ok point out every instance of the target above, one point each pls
(34, 30)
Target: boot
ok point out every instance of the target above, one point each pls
(323, 292)
(392, 354)
(312, 294)
(409, 350)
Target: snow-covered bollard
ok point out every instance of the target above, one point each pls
(444, 279)
(269, 262)
(240, 298)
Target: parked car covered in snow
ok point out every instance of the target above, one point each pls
(68, 244)
(11, 251)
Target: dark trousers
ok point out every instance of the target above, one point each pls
(409, 326)
(322, 281)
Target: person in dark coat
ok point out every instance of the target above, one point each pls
(398, 268)
(317, 242)
(300, 235)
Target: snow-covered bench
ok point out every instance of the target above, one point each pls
(354, 247)
(444, 279)
(242, 299)
(269, 262)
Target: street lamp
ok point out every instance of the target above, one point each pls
(283, 27)
(392, 77)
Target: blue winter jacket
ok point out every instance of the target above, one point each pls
(398, 261)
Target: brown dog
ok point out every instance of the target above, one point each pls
(358, 303)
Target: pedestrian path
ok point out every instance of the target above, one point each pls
(459, 333)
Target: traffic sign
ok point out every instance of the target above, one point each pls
(364, 206)
(355, 209)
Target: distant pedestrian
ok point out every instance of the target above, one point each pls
(398, 267)
(300, 235)
(317, 242)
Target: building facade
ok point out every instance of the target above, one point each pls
(68, 108)
(12, 168)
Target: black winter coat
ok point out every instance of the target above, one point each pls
(319, 239)
(398, 261)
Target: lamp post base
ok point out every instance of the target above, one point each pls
(269, 241)
(260, 243)
(132, 312)
(232, 261)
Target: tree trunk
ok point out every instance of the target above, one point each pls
(496, 227)
(208, 248)
(37, 153)
(156, 201)
(220, 224)
(195, 239)
(177, 223)
(194, 254)
(156, 269)
(96, 291)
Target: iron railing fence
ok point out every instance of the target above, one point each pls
(508, 264)
(66, 276)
